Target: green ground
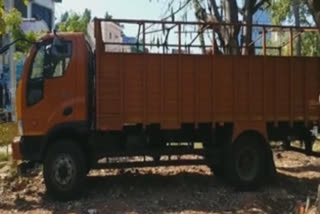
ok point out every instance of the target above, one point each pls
(316, 146)
(7, 132)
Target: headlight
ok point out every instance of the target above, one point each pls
(20, 128)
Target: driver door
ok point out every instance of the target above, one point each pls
(50, 90)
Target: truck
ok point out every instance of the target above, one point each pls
(80, 107)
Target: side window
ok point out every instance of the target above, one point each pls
(60, 67)
(60, 63)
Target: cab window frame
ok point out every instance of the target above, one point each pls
(66, 67)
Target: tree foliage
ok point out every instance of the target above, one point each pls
(314, 6)
(2, 16)
(74, 22)
(11, 23)
(282, 12)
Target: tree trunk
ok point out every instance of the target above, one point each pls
(247, 31)
(314, 6)
(230, 33)
(200, 15)
(296, 14)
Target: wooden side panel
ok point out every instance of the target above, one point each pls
(109, 93)
(133, 88)
(170, 116)
(282, 88)
(298, 91)
(188, 89)
(153, 89)
(256, 91)
(203, 98)
(241, 88)
(223, 88)
(312, 91)
(269, 87)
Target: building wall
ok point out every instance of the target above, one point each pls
(111, 32)
(39, 9)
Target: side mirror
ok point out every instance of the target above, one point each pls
(61, 48)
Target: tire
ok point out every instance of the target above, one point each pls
(218, 170)
(287, 144)
(64, 170)
(246, 163)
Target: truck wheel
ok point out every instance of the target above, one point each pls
(246, 163)
(64, 170)
(218, 170)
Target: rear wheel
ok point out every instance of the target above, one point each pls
(246, 163)
(217, 170)
(65, 170)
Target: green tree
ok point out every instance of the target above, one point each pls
(11, 23)
(314, 6)
(298, 13)
(73, 22)
(2, 17)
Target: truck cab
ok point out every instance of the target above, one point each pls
(53, 91)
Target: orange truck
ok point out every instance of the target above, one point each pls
(80, 107)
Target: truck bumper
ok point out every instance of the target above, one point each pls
(16, 149)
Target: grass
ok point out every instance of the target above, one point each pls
(316, 146)
(4, 156)
(7, 132)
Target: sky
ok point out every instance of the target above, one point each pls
(120, 9)
(124, 9)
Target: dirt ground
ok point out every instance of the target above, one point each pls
(171, 190)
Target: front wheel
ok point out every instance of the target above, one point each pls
(246, 163)
(64, 170)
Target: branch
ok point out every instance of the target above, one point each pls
(259, 5)
(216, 13)
(178, 10)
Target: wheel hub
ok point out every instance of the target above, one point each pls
(247, 164)
(64, 170)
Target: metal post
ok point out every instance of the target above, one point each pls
(3, 68)
(213, 40)
(179, 38)
(291, 42)
(264, 41)
(144, 36)
(9, 4)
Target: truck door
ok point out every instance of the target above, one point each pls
(49, 89)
